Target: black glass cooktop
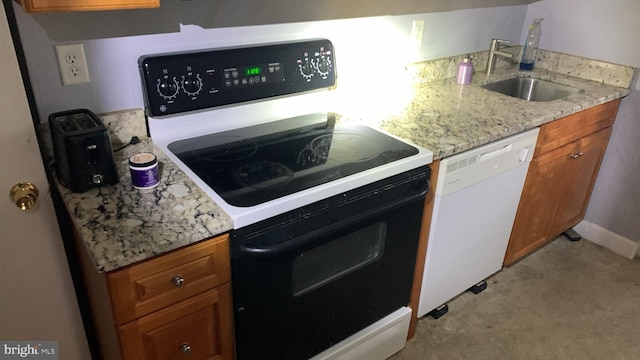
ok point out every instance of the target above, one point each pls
(256, 164)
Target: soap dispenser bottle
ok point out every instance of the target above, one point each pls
(531, 45)
(465, 69)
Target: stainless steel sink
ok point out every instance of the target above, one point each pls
(532, 89)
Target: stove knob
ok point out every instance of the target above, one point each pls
(192, 85)
(324, 66)
(167, 88)
(306, 69)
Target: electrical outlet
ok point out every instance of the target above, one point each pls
(417, 32)
(72, 64)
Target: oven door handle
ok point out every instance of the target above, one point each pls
(273, 250)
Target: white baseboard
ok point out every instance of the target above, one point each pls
(617, 243)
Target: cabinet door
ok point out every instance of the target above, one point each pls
(196, 329)
(84, 5)
(537, 202)
(556, 193)
(579, 177)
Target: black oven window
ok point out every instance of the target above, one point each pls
(337, 258)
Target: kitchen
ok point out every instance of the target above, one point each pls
(108, 93)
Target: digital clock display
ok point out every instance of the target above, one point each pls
(251, 71)
(256, 74)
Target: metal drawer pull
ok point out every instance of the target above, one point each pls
(576, 155)
(185, 348)
(178, 280)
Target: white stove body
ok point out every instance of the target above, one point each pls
(169, 129)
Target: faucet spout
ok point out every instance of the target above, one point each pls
(494, 50)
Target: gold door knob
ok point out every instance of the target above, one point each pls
(24, 195)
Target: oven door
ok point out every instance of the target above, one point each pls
(308, 279)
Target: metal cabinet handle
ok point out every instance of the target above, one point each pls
(185, 348)
(576, 155)
(178, 280)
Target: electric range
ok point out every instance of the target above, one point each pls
(250, 126)
(326, 216)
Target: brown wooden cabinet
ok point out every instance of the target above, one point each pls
(174, 306)
(560, 178)
(34, 6)
(196, 328)
(421, 258)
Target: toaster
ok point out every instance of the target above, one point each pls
(82, 150)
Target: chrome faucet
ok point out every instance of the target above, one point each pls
(495, 50)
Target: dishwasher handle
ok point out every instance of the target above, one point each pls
(491, 155)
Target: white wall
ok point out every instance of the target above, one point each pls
(369, 48)
(605, 30)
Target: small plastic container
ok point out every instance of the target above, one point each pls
(144, 170)
(465, 69)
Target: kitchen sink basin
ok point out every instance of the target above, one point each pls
(532, 89)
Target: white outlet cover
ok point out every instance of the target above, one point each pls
(417, 32)
(72, 64)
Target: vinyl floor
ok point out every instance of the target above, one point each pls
(568, 300)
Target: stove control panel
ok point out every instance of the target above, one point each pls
(181, 82)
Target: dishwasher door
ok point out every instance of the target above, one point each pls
(477, 195)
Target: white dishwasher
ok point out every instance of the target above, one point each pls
(476, 198)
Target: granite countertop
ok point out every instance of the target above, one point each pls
(449, 118)
(121, 225)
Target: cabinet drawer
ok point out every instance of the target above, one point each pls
(197, 328)
(168, 279)
(84, 5)
(563, 131)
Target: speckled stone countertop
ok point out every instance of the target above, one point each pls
(121, 225)
(449, 118)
